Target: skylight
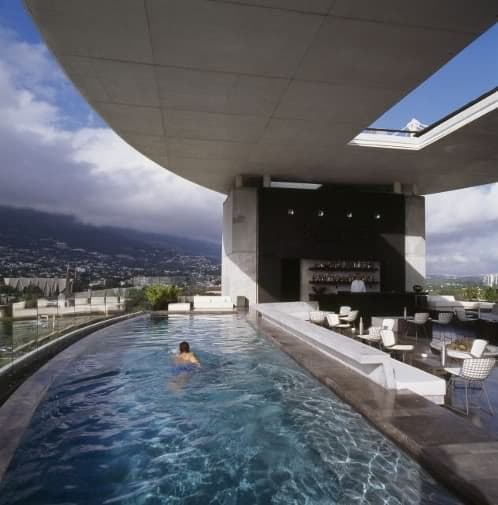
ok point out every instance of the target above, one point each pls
(416, 140)
(470, 74)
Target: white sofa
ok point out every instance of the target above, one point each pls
(178, 307)
(212, 303)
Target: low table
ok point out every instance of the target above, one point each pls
(491, 351)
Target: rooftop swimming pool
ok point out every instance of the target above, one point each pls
(122, 426)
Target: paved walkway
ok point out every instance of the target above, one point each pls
(459, 454)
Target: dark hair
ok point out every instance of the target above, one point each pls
(184, 347)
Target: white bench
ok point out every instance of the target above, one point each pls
(372, 363)
(213, 303)
(178, 307)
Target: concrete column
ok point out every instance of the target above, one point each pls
(239, 264)
(414, 241)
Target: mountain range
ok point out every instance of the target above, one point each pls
(24, 228)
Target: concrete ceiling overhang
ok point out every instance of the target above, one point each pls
(211, 89)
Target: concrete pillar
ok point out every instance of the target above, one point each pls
(239, 264)
(414, 241)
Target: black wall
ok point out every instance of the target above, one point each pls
(284, 239)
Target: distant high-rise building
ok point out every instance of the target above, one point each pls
(490, 280)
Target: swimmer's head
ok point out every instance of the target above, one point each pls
(184, 347)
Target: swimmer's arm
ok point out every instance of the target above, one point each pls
(194, 360)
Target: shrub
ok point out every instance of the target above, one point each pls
(159, 296)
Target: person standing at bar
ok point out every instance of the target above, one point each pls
(358, 285)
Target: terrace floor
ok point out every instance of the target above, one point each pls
(478, 417)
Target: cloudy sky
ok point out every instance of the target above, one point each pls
(58, 156)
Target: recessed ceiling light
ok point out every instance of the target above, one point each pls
(349, 215)
(377, 215)
(294, 185)
(290, 212)
(321, 213)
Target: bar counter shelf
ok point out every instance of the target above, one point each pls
(346, 266)
(342, 283)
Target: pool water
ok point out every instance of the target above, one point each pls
(122, 426)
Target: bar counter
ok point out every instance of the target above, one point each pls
(369, 304)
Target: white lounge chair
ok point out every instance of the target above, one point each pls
(349, 320)
(390, 345)
(333, 320)
(317, 316)
(462, 317)
(373, 335)
(442, 321)
(344, 311)
(419, 321)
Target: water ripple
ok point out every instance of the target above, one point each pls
(249, 427)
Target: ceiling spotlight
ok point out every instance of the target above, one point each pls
(377, 215)
(349, 215)
(290, 212)
(321, 213)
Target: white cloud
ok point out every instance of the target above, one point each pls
(462, 231)
(461, 209)
(91, 173)
(87, 171)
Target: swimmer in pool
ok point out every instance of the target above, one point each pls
(185, 357)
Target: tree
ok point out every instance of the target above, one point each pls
(490, 294)
(472, 293)
(159, 296)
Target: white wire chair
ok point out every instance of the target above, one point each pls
(474, 372)
(442, 322)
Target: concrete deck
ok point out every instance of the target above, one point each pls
(457, 453)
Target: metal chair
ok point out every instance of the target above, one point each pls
(349, 320)
(419, 321)
(388, 324)
(390, 345)
(474, 371)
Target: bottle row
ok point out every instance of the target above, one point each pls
(346, 266)
(330, 278)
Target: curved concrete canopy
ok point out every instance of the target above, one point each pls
(211, 89)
